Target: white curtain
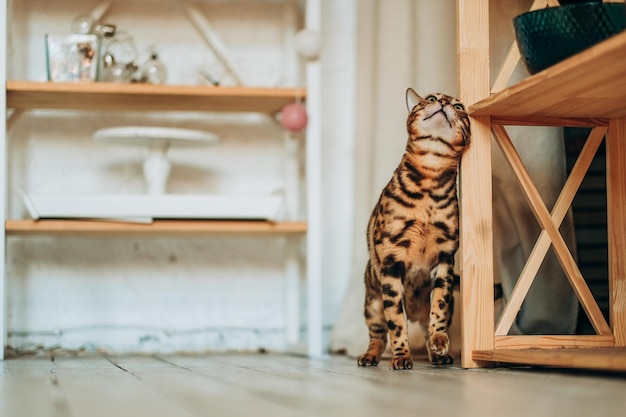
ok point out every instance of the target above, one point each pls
(400, 43)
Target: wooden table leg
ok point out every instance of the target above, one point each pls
(616, 212)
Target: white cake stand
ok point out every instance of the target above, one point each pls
(156, 166)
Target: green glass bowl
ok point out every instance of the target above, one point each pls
(548, 36)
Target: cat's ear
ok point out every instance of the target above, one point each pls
(412, 98)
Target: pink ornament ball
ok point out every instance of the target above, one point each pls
(294, 117)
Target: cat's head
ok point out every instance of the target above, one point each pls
(437, 121)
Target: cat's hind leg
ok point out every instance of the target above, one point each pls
(441, 309)
(393, 274)
(374, 319)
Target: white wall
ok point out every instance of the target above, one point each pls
(172, 294)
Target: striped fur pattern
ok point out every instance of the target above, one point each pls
(413, 234)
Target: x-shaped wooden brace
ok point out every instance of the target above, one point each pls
(550, 233)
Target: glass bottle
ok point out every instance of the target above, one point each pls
(153, 71)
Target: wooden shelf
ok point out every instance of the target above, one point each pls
(586, 86)
(158, 227)
(146, 97)
(611, 359)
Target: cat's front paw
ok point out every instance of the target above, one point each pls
(401, 362)
(441, 360)
(367, 359)
(439, 344)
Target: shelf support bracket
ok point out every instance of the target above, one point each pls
(513, 56)
(12, 118)
(211, 38)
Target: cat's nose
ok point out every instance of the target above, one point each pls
(444, 101)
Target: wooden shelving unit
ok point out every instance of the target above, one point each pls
(24, 95)
(584, 90)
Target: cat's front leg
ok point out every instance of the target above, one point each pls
(441, 309)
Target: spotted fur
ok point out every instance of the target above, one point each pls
(413, 234)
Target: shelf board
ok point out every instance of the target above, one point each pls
(603, 359)
(588, 85)
(21, 227)
(147, 97)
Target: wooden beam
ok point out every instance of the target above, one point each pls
(553, 341)
(616, 223)
(476, 234)
(610, 359)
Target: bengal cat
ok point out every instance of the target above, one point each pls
(413, 234)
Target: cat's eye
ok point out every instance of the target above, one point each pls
(431, 99)
(459, 106)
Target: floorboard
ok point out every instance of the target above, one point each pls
(281, 385)
(21, 380)
(201, 391)
(96, 387)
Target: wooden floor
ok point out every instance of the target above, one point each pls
(280, 385)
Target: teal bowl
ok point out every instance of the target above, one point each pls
(548, 36)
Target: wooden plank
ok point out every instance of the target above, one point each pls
(23, 379)
(95, 387)
(604, 359)
(237, 384)
(553, 341)
(206, 386)
(321, 386)
(299, 385)
(589, 84)
(18, 227)
(616, 223)
(476, 234)
(147, 97)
